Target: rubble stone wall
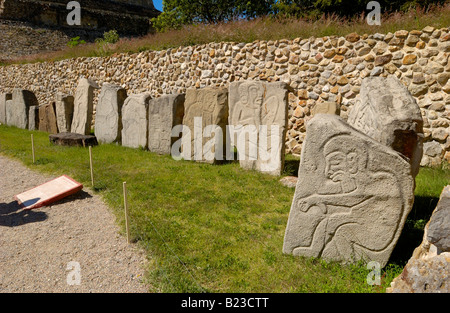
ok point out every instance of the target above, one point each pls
(317, 69)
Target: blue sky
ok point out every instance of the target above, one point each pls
(158, 4)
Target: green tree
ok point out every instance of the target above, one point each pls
(177, 13)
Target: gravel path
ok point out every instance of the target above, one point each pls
(72, 246)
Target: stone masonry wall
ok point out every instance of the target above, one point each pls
(317, 69)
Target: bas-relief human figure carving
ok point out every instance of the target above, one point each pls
(108, 121)
(210, 106)
(252, 105)
(354, 208)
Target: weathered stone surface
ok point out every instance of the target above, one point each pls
(352, 197)
(206, 107)
(326, 107)
(18, 110)
(258, 114)
(163, 114)
(47, 118)
(135, 121)
(439, 226)
(73, 140)
(33, 118)
(108, 116)
(428, 270)
(9, 110)
(64, 107)
(3, 98)
(83, 106)
(388, 113)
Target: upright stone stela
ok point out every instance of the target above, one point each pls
(258, 116)
(18, 109)
(135, 121)
(206, 107)
(386, 111)
(352, 197)
(164, 113)
(64, 112)
(3, 98)
(83, 107)
(108, 116)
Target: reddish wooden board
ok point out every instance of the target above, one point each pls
(48, 193)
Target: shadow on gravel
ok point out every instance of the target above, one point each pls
(11, 215)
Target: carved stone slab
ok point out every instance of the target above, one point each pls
(47, 118)
(64, 112)
(83, 107)
(163, 114)
(352, 197)
(207, 107)
(135, 121)
(108, 116)
(258, 114)
(3, 98)
(33, 118)
(387, 112)
(18, 109)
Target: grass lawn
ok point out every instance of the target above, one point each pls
(214, 228)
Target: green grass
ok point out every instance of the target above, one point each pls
(213, 228)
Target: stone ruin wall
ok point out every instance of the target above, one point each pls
(317, 69)
(128, 17)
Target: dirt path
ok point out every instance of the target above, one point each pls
(72, 246)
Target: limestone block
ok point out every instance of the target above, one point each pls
(164, 113)
(33, 118)
(9, 111)
(439, 226)
(352, 197)
(3, 98)
(47, 118)
(18, 110)
(135, 121)
(206, 116)
(258, 115)
(327, 107)
(64, 112)
(427, 271)
(83, 107)
(386, 111)
(73, 140)
(108, 116)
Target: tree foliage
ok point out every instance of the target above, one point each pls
(177, 13)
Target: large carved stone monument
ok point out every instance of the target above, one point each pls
(206, 116)
(352, 197)
(108, 117)
(258, 120)
(387, 112)
(163, 114)
(83, 107)
(17, 110)
(135, 121)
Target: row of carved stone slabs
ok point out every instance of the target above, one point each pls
(137, 120)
